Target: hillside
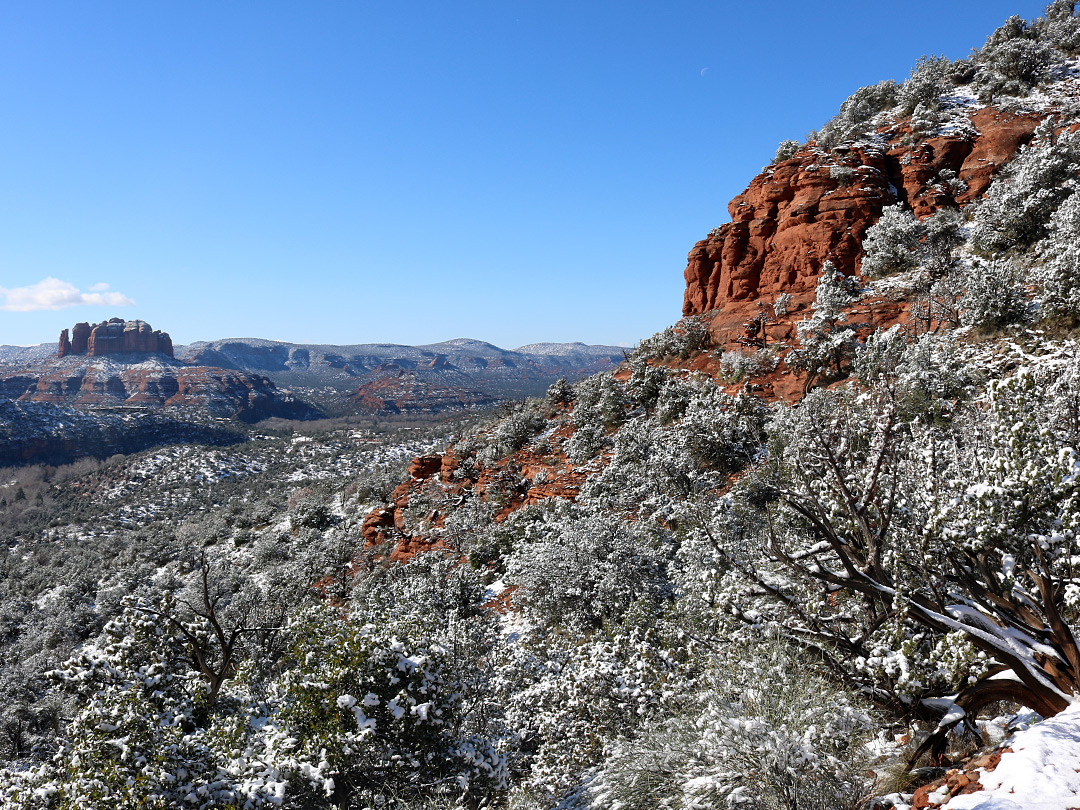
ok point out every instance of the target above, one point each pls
(813, 546)
(462, 363)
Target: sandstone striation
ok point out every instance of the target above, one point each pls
(114, 336)
(817, 207)
(105, 383)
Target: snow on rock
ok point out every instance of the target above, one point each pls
(1040, 773)
(1037, 769)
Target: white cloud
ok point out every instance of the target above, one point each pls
(52, 293)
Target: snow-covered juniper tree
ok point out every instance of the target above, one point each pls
(918, 562)
(1059, 274)
(1016, 211)
(892, 243)
(827, 340)
(757, 729)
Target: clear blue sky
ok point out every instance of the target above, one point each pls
(343, 172)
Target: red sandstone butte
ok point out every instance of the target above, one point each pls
(114, 336)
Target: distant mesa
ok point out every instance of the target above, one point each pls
(407, 394)
(114, 336)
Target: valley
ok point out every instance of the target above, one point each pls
(814, 545)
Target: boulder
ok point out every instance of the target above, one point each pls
(425, 466)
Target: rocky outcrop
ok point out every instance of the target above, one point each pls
(80, 338)
(114, 336)
(817, 206)
(216, 391)
(38, 433)
(425, 466)
(406, 394)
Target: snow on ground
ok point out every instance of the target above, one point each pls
(1040, 773)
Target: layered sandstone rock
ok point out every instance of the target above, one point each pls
(114, 336)
(221, 392)
(817, 207)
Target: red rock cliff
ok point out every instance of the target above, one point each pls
(817, 206)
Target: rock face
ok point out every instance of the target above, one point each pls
(38, 433)
(80, 337)
(114, 336)
(216, 391)
(817, 206)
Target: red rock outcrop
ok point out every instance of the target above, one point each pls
(114, 336)
(817, 206)
(222, 392)
(80, 337)
(424, 466)
(405, 393)
(523, 478)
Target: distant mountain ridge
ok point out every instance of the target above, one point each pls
(347, 365)
(255, 378)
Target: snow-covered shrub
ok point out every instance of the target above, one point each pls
(1060, 27)
(1013, 60)
(826, 340)
(560, 392)
(516, 429)
(687, 337)
(645, 382)
(599, 404)
(781, 304)
(995, 296)
(929, 79)
(925, 120)
(880, 354)
(786, 150)
(843, 175)
(569, 698)
(1017, 209)
(579, 569)
(857, 111)
(144, 734)
(737, 364)
(926, 373)
(377, 483)
(650, 467)
(369, 717)
(588, 439)
(723, 432)
(765, 731)
(916, 524)
(937, 253)
(1059, 274)
(892, 243)
(310, 512)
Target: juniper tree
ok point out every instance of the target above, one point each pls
(827, 339)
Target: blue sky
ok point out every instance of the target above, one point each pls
(346, 172)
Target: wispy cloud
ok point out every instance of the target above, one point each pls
(52, 293)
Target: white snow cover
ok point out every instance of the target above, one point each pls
(1039, 774)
